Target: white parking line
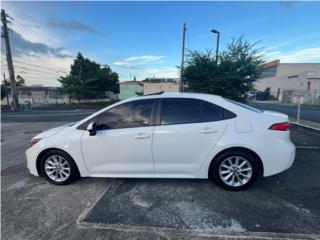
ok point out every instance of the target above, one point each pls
(308, 147)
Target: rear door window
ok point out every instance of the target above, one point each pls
(180, 111)
(211, 112)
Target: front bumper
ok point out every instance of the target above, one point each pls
(32, 155)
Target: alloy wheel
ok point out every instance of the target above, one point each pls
(57, 168)
(235, 171)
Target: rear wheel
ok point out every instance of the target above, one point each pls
(59, 168)
(235, 170)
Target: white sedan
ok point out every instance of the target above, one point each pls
(167, 135)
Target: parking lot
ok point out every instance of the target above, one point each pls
(282, 206)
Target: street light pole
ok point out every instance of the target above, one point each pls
(181, 87)
(218, 39)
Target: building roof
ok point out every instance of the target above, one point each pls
(271, 64)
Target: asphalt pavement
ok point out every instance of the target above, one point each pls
(284, 203)
(46, 115)
(32, 208)
(307, 113)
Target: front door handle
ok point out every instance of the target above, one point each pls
(208, 130)
(142, 136)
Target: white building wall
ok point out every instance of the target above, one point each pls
(149, 88)
(303, 77)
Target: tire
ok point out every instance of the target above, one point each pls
(230, 175)
(59, 168)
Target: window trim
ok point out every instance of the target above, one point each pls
(97, 117)
(159, 111)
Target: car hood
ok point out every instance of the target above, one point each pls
(52, 131)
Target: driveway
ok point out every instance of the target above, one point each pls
(32, 208)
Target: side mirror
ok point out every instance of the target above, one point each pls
(92, 128)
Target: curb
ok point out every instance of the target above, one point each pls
(197, 233)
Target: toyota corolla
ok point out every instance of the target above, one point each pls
(167, 135)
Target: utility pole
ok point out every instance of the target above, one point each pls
(5, 84)
(14, 95)
(181, 87)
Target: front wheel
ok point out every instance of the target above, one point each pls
(235, 170)
(59, 168)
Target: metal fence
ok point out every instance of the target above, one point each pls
(306, 97)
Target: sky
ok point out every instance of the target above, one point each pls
(144, 39)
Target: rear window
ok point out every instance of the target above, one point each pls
(243, 105)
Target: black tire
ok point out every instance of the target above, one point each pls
(214, 170)
(73, 173)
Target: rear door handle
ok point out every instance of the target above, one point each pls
(208, 130)
(142, 136)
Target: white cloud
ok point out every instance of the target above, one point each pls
(50, 68)
(134, 62)
(143, 73)
(303, 55)
(37, 53)
(169, 72)
(32, 29)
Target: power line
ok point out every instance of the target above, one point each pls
(31, 30)
(33, 65)
(34, 70)
(24, 73)
(47, 68)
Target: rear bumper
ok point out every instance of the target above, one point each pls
(278, 156)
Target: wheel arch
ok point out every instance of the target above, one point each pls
(43, 152)
(260, 164)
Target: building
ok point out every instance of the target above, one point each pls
(135, 88)
(37, 95)
(290, 81)
(130, 89)
(150, 87)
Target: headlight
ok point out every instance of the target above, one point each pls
(33, 142)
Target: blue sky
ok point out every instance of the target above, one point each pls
(144, 38)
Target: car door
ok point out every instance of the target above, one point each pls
(187, 131)
(122, 144)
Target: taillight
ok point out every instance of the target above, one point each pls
(284, 126)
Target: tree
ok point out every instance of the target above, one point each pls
(3, 91)
(20, 81)
(88, 79)
(5, 86)
(232, 77)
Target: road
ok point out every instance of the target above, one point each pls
(307, 113)
(71, 115)
(46, 115)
